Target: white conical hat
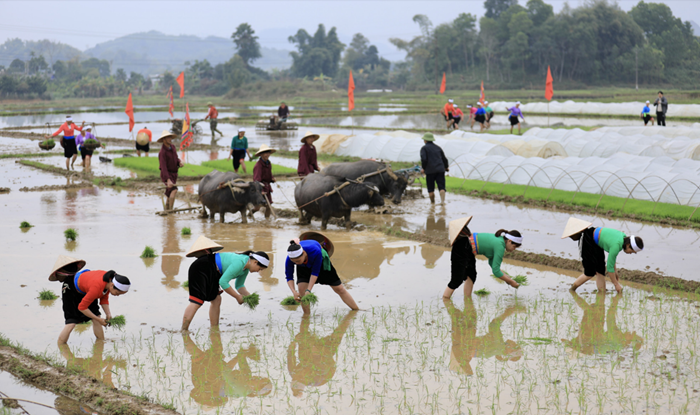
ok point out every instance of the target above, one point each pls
(311, 135)
(320, 238)
(574, 226)
(201, 244)
(264, 148)
(142, 138)
(166, 134)
(456, 227)
(61, 262)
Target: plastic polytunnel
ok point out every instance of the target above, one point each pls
(604, 108)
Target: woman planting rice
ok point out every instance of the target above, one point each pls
(465, 247)
(211, 274)
(81, 289)
(313, 265)
(592, 245)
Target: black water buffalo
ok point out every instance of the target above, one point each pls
(215, 194)
(389, 183)
(337, 205)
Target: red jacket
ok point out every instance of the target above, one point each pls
(90, 282)
(307, 160)
(67, 131)
(169, 163)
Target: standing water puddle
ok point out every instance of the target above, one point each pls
(15, 388)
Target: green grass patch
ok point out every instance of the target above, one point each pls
(70, 234)
(290, 301)
(227, 165)
(118, 322)
(521, 279)
(482, 292)
(539, 340)
(148, 252)
(309, 299)
(28, 155)
(251, 300)
(25, 224)
(149, 166)
(185, 284)
(186, 231)
(47, 295)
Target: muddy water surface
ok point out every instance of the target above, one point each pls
(15, 388)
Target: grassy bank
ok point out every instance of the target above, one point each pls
(227, 165)
(149, 166)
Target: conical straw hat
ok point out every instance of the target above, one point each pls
(166, 134)
(201, 244)
(311, 135)
(264, 148)
(142, 139)
(61, 262)
(456, 227)
(320, 238)
(574, 226)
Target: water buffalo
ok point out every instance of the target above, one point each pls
(216, 195)
(337, 205)
(388, 182)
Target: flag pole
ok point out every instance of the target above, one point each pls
(547, 114)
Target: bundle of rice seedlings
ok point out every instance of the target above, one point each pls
(25, 224)
(290, 301)
(70, 234)
(521, 279)
(185, 284)
(482, 292)
(186, 231)
(148, 252)
(118, 322)
(252, 300)
(309, 299)
(47, 295)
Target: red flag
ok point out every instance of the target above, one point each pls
(549, 89)
(442, 85)
(181, 81)
(351, 93)
(171, 108)
(130, 112)
(482, 98)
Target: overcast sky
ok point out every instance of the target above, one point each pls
(83, 24)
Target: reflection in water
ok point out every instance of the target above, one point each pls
(436, 225)
(95, 366)
(430, 254)
(316, 363)
(465, 343)
(170, 264)
(71, 205)
(215, 380)
(592, 337)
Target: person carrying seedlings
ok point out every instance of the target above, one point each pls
(434, 164)
(239, 148)
(467, 245)
(457, 115)
(143, 141)
(80, 140)
(169, 164)
(70, 150)
(489, 114)
(262, 172)
(81, 290)
(307, 155)
(661, 105)
(515, 112)
(211, 274)
(646, 114)
(313, 266)
(480, 115)
(448, 112)
(592, 245)
(213, 117)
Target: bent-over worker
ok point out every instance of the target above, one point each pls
(141, 135)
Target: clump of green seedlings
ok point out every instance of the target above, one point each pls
(148, 252)
(185, 284)
(25, 225)
(252, 300)
(521, 279)
(47, 295)
(70, 234)
(186, 231)
(118, 322)
(482, 292)
(290, 301)
(309, 299)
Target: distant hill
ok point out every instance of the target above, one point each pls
(696, 28)
(154, 52)
(52, 51)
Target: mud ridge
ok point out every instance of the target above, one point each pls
(55, 187)
(75, 385)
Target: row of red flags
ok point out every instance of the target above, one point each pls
(548, 90)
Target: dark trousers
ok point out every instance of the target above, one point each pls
(660, 118)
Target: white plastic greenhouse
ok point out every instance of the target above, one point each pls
(605, 108)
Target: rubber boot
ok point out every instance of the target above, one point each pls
(442, 197)
(432, 198)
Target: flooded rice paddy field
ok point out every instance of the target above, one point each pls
(42, 402)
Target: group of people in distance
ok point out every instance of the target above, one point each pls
(593, 243)
(72, 144)
(661, 105)
(480, 113)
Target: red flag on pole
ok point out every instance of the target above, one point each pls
(130, 112)
(442, 85)
(351, 93)
(171, 108)
(549, 89)
(181, 81)
(482, 98)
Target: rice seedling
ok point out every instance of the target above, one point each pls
(47, 295)
(185, 284)
(290, 301)
(309, 299)
(186, 231)
(25, 224)
(148, 252)
(70, 234)
(482, 292)
(118, 322)
(521, 279)
(251, 300)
